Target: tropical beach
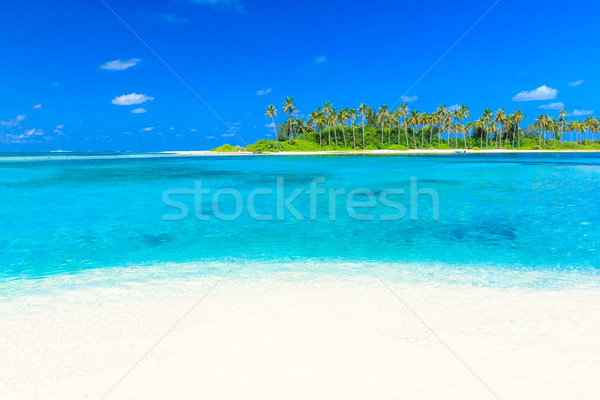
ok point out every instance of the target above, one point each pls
(241, 199)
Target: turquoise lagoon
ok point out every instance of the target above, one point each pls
(508, 220)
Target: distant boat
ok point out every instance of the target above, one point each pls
(460, 151)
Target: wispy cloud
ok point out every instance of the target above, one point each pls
(553, 106)
(263, 92)
(59, 129)
(210, 137)
(139, 110)
(542, 93)
(320, 59)
(408, 99)
(576, 83)
(171, 18)
(227, 134)
(119, 65)
(129, 99)
(232, 4)
(580, 113)
(36, 107)
(13, 121)
(270, 125)
(34, 132)
(148, 129)
(453, 107)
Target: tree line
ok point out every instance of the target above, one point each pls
(445, 127)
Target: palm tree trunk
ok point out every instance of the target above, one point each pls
(405, 132)
(329, 133)
(414, 137)
(335, 134)
(353, 137)
(344, 135)
(274, 128)
(363, 129)
(513, 138)
(390, 134)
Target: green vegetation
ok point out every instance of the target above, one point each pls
(329, 129)
(227, 148)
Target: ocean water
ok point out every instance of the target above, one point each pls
(508, 220)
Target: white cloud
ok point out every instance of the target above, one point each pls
(172, 128)
(33, 132)
(542, 93)
(582, 112)
(139, 110)
(59, 129)
(408, 99)
(36, 107)
(118, 65)
(320, 59)
(553, 106)
(227, 134)
(270, 125)
(129, 99)
(210, 137)
(263, 92)
(453, 107)
(576, 83)
(13, 121)
(193, 130)
(268, 135)
(148, 129)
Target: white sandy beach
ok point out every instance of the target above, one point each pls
(274, 338)
(375, 152)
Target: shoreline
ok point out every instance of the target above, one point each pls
(371, 152)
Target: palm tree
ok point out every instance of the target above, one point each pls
(441, 119)
(362, 109)
(463, 113)
(428, 119)
(327, 111)
(572, 127)
(487, 118)
(403, 112)
(318, 118)
(382, 118)
(390, 120)
(588, 124)
(289, 107)
(352, 115)
(413, 120)
(343, 118)
(562, 120)
(518, 117)
(272, 112)
(500, 118)
(493, 128)
(333, 117)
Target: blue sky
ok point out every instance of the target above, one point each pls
(72, 74)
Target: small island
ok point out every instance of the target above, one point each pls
(446, 128)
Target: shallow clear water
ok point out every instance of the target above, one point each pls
(518, 214)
